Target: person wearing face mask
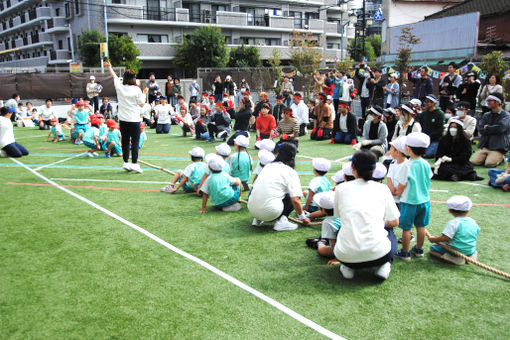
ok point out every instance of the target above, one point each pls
(432, 120)
(453, 153)
(406, 123)
(375, 132)
(462, 113)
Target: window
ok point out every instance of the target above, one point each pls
(152, 38)
(57, 12)
(333, 46)
(298, 16)
(119, 34)
(251, 15)
(273, 42)
(60, 45)
(247, 41)
(77, 6)
(67, 10)
(22, 17)
(194, 11)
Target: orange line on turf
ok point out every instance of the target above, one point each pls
(83, 187)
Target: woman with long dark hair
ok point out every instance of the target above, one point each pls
(453, 153)
(130, 98)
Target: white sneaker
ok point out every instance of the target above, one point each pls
(90, 154)
(3, 154)
(383, 271)
(136, 168)
(168, 188)
(95, 154)
(283, 224)
(347, 272)
(256, 223)
(127, 166)
(233, 207)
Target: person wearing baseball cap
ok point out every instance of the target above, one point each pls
(318, 184)
(8, 145)
(241, 162)
(398, 153)
(494, 129)
(93, 92)
(345, 126)
(413, 191)
(219, 123)
(460, 233)
(432, 120)
(375, 132)
(323, 124)
(189, 178)
(301, 112)
(368, 214)
(223, 189)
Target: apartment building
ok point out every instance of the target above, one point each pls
(45, 32)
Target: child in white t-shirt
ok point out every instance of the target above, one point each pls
(318, 184)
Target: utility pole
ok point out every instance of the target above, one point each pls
(364, 27)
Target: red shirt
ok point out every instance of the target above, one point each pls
(266, 125)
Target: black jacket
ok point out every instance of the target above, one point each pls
(242, 119)
(277, 112)
(352, 124)
(459, 151)
(361, 79)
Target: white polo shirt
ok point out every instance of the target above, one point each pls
(363, 208)
(301, 112)
(6, 132)
(272, 184)
(130, 97)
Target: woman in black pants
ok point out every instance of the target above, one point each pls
(130, 99)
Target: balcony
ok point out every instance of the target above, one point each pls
(35, 15)
(151, 51)
(231, 18)
(59, 56)
(57, 24)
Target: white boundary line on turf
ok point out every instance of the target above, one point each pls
(272, 302)
(60, 161)
(475, 184)
(104, 180)
(38, 136)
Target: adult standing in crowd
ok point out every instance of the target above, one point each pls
(176, 91)
(242, 120)
(469, 89)
(277, 111)
(92, 90)
(168, 87)
(462, 114)
(338, 82)
(300, 112)
(153, 87)
(365, 87)
(453, 153)
(493, 86)
(287, 90)
(375, 132)
(8, 145)
(449, 86)
(368, 214)
(423, 85)
(277, 191)
(194, 90)
(432, 120)
(130, 98)
(218, 89)
(494, 130)
(379, 85)
(392, 91)
(347, 91)
(229, 86)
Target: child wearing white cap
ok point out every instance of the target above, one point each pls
(223, 188)
(318, 184)
(240, 163)
(265, 157)
(379, 172)
(189, 178)
(330, 226)
(413, 191)
(460, 233)
(338, 178)
(397, 152)
(222, 150)
(264, 144)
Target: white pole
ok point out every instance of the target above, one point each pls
(71, 41)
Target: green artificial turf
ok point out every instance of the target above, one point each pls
(70, 271)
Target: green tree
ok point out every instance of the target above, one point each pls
(275, 61)
(356, 51)
(244, 56)
(123, 52)
(305, 54)
(88, 43)
(204, 47)
(345, 65)
(493, 63)
(406, 41)
(375, 40)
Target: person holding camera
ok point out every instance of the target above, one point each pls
(365, 87)
(468, 91)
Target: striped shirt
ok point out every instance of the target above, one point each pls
(289, 127)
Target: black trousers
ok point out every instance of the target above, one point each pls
(130, 132)
(15, 150)
(287, 206)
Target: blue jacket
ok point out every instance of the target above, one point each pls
(395, 93)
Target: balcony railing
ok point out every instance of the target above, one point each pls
(166, 15)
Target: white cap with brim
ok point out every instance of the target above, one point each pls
(338, 177)
(400, 144)
(374, 111)
(215, 162)
(197, 152)
(223, 149)
(265, 157)
(456, 121)
(347, 169)
(418, 140)
(379, 171)
(325, 199)
(265, 144)
(242, 141)
(92, 78)
(459, 203)
(321, 164)
(415, 101)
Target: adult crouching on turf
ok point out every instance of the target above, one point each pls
(8, 145)
(130, 99)
(368, 214)
(277, 191)
(345, 126)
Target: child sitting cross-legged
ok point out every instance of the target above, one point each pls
(240, 163)
(330, 226)
(91, 138)
(223, 188)
(189, 178)
(113, 139)
(459, 233)
(318, 184)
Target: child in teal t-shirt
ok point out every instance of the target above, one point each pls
(81, 117)
(56, 132)
(143, 135)
(91, 138)
(241, 162)
(223, 189)
(189, 178)
(113, 139)
(460, 233)
(318, 184)
(413, 191)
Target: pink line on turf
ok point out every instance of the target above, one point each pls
(83, 187)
